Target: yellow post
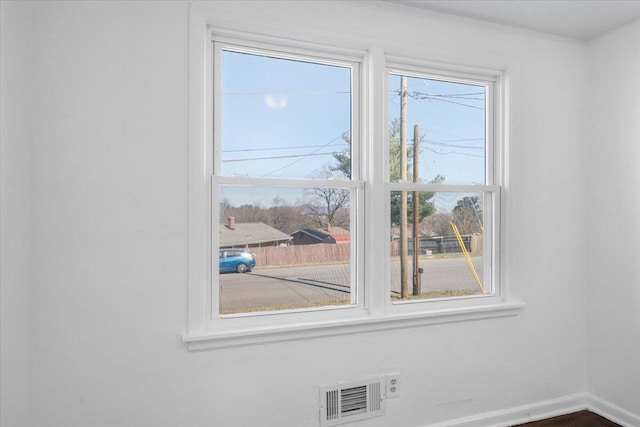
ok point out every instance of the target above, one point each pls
(466, 254)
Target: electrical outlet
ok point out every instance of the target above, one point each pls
(393, 385)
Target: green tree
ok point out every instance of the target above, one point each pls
(344, 158)
(394, 152)
(426, 205)
(343, 166)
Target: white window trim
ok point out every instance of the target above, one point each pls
(295, 50)
(492, 80)
(290, 50)
(374, 313)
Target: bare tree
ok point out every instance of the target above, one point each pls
(437, 224)
(327, 205)
(243, 213)
(283, 216)
(226, 209)
(467, 215)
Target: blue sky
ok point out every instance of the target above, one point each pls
(284, 118)
(451, 117)
(284, 113)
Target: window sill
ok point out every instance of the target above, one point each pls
(236, 338)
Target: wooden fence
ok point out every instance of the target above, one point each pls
(273, 256)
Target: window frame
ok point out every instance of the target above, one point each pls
(374, 312)
(286, 50)
(221, 40)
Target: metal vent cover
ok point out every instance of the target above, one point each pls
(351, 401)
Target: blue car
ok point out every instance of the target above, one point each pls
(236, 260)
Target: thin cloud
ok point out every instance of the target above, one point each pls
(276, 101)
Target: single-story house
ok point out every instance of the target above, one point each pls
(250, 235)
(312, 236)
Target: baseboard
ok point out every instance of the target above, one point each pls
(612, 412)
(521, 414)
(546, 409)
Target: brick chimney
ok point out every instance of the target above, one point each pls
(231, 222)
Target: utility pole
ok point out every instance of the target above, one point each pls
(416, 211)
(404, 244)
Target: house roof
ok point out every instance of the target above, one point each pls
(337, 233)
(342, 237)
(246, 233)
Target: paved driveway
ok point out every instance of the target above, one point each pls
(306, 286)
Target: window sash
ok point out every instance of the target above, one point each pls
(297, 52)
(491, 188)
(491, 80)
(492, 208)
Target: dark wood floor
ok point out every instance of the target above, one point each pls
(579, 419)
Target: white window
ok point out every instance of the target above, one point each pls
(297, 183)
(443, 177)
(285, 165)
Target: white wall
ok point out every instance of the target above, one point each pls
(16, 40)
(109, 234)
(614, 218)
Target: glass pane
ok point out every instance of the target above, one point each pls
(284, 118)
(284, 248)
(448, 121)
(447, 259)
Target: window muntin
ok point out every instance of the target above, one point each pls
(445, 123)
(284, 178)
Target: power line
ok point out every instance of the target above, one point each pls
(342, 135)
(469, 96)
(445, 95)
(286, 93)
(279, 157)
(454, 145)
(418, 95)
(460, 96)
(335, 152)
(453, 152)
(439, 97)
(456, 140)
(282, 148)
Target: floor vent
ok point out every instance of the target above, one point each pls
(347, 402)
